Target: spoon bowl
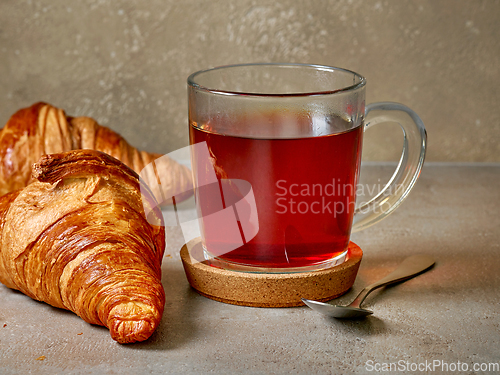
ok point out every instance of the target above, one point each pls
(341, 312)
(410, 267)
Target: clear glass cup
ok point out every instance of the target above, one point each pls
(276, 151)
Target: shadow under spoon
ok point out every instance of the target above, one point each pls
(410, 267)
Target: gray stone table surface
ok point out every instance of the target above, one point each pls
(448, 316)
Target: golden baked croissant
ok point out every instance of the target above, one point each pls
(43, 129)
(77, 238)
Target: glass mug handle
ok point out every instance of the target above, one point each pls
(409, 166)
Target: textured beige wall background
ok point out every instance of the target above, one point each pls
(126, 62)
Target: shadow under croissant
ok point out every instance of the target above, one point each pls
(177, 327)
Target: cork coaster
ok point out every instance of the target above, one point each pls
(270, 290)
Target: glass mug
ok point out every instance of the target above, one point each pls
(276, 178)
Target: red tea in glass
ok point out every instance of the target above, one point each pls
(276, 181)
(304, 188)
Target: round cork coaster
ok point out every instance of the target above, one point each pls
(269, 290)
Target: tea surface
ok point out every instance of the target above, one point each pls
(304, 188)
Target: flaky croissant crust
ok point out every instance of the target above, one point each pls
(44, 129)
(77, 238)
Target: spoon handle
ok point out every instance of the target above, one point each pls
(411, 266)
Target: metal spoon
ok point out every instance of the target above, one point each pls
(410, 267)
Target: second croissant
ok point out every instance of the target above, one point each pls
(44, 129)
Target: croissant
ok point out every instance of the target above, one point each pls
(77, 238)
(43, 129)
